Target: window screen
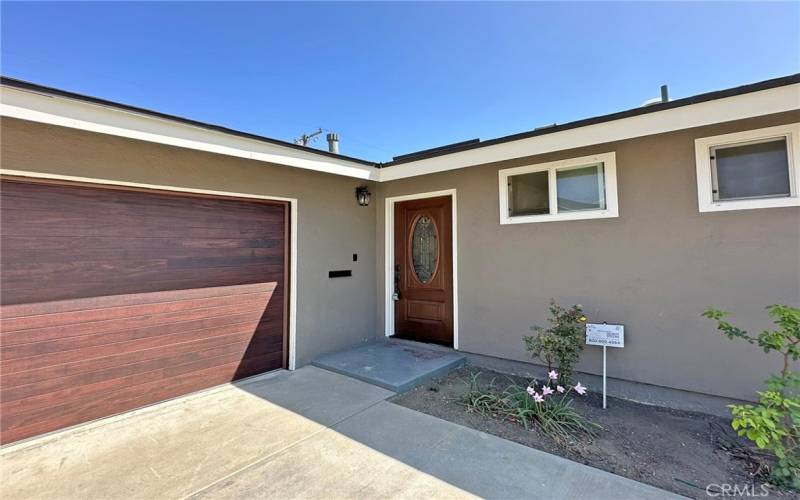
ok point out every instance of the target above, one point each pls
(580, 189)
(756, 170)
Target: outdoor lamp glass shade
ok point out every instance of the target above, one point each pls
(363, 195)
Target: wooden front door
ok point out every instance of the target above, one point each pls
(424, 270)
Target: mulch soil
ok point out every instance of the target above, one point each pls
(679, 451)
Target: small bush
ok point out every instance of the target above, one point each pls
(774, 423)
(560, 345)
(547, 407)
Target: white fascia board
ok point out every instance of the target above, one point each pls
(72, 113)
(765, 102)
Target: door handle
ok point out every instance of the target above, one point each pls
(396, 294)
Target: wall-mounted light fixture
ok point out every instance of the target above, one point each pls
(363, 195)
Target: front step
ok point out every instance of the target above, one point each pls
(397, 366)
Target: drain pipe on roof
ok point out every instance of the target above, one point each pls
(664, 93)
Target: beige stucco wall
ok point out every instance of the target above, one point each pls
(331, 313)
(654, 269)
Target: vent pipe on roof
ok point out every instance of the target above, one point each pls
(658, 100)
(333, 142)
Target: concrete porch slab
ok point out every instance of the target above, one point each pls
(397, 366)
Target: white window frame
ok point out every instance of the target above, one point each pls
(609, 180)
(705, 179)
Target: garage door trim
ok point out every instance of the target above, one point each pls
(291, 223)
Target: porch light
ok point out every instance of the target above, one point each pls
(363, 195)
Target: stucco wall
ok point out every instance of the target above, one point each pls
(654, 269)
(331, 313)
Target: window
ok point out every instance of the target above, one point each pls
(577, 188)
(752, 169)
(581, 188)
(528, 194)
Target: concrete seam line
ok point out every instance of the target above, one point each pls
(269, 456)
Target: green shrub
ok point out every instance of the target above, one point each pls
(561, 344)
(549, 410)
(774, 423)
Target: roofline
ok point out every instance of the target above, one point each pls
(456, 146)
(35, 87)
(621, 125)
(654, 108)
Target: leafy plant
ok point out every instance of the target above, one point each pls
(774, 423)
(478, 399)
(560, 345)
(547, 407)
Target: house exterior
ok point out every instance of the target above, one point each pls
(145, 256)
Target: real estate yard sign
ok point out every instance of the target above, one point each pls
(607, 336)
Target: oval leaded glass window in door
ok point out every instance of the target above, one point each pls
(424, 248)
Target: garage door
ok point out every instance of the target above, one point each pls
(115, 299)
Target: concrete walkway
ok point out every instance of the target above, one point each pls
(305, 434)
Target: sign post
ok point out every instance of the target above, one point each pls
(605, 335)
(604, 376)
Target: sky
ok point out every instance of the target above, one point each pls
(392, 78)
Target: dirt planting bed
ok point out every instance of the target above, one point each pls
(679, 451)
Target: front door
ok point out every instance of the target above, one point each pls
(424, 270)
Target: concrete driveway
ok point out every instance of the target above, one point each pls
(304, 434)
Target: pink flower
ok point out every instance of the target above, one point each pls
(559, 388)
(580, 389)
(531, 391)
(538, 397)
(553, 375)
(546, 391)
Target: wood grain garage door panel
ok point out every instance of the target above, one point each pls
(113, 299)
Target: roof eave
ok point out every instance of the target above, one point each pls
(654, 108)
(42, 89)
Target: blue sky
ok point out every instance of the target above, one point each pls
(393, 78)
